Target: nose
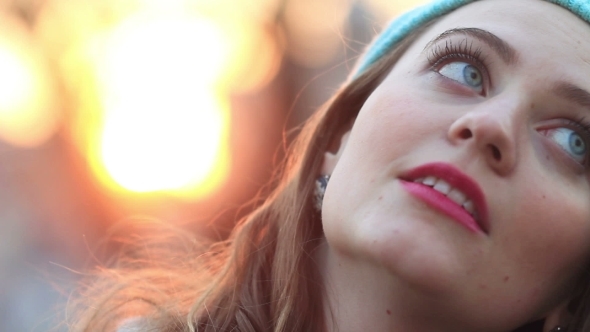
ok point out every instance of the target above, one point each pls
(491, 134)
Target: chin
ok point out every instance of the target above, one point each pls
(414, 254)
(430, 266)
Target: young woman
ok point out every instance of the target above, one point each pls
(446, 187)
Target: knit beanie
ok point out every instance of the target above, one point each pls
(406, 23)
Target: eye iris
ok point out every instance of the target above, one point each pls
(472, 76)
(577, 144)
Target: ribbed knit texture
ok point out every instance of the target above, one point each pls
(403, 25)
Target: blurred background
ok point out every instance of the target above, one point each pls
(169, 110)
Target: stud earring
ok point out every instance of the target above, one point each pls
(558, 329)
(320, 189)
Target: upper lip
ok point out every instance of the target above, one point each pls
(457, 179)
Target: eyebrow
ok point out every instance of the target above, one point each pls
(509, 55)
(573, 93)
(506, 52)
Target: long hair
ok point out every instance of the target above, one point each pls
(263, 277)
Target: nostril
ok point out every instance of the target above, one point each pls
(496, 153)
(465, 134)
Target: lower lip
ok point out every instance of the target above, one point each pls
(441, 203)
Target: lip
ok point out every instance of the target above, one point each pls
(457, 179)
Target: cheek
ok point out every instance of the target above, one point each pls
(393, 126)
(390, 124)
(554, 230)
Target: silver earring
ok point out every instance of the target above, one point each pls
(558, 329)
(320, 189)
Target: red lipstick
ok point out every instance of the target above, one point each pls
(476, 222)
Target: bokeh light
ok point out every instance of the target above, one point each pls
(128, 111)
(164, 125)
(256, 54)
(150, 83)
(146, 76)
(28, 112)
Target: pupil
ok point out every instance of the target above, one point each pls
(472, 76)
(578, 145)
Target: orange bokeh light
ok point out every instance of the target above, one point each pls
(28, 112)
(145, 149)
(149, 85)
(165, 127)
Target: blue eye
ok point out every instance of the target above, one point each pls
(463, 73)
(571, 142)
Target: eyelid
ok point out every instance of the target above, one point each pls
(467, 50)
(580, 126)
(462, 72)
(494, 44)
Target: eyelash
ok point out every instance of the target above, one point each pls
(443, 54)
(582, 126)
(440, 55)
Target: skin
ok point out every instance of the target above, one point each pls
(392, 263)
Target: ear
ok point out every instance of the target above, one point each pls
(558, 316)
(331, 158)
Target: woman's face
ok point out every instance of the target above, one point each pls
(493, 103)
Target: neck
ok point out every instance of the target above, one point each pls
(364, 297)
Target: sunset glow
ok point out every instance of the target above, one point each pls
(165, 124)
(164, 146)
(28, 114)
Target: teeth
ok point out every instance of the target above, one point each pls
(468, 206)
(457, 196)
(430, 181)
(442, 187)
(453, 194)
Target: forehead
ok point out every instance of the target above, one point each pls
(535, 28)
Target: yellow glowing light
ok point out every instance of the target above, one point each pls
(163, 146)
(258, 10)
(148, 84)
(256, 56)
(153, 54)
(28, 116)
(165, 127)
(17, 83)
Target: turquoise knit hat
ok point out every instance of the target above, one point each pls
(403, 25)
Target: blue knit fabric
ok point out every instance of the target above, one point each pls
(403, 25)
